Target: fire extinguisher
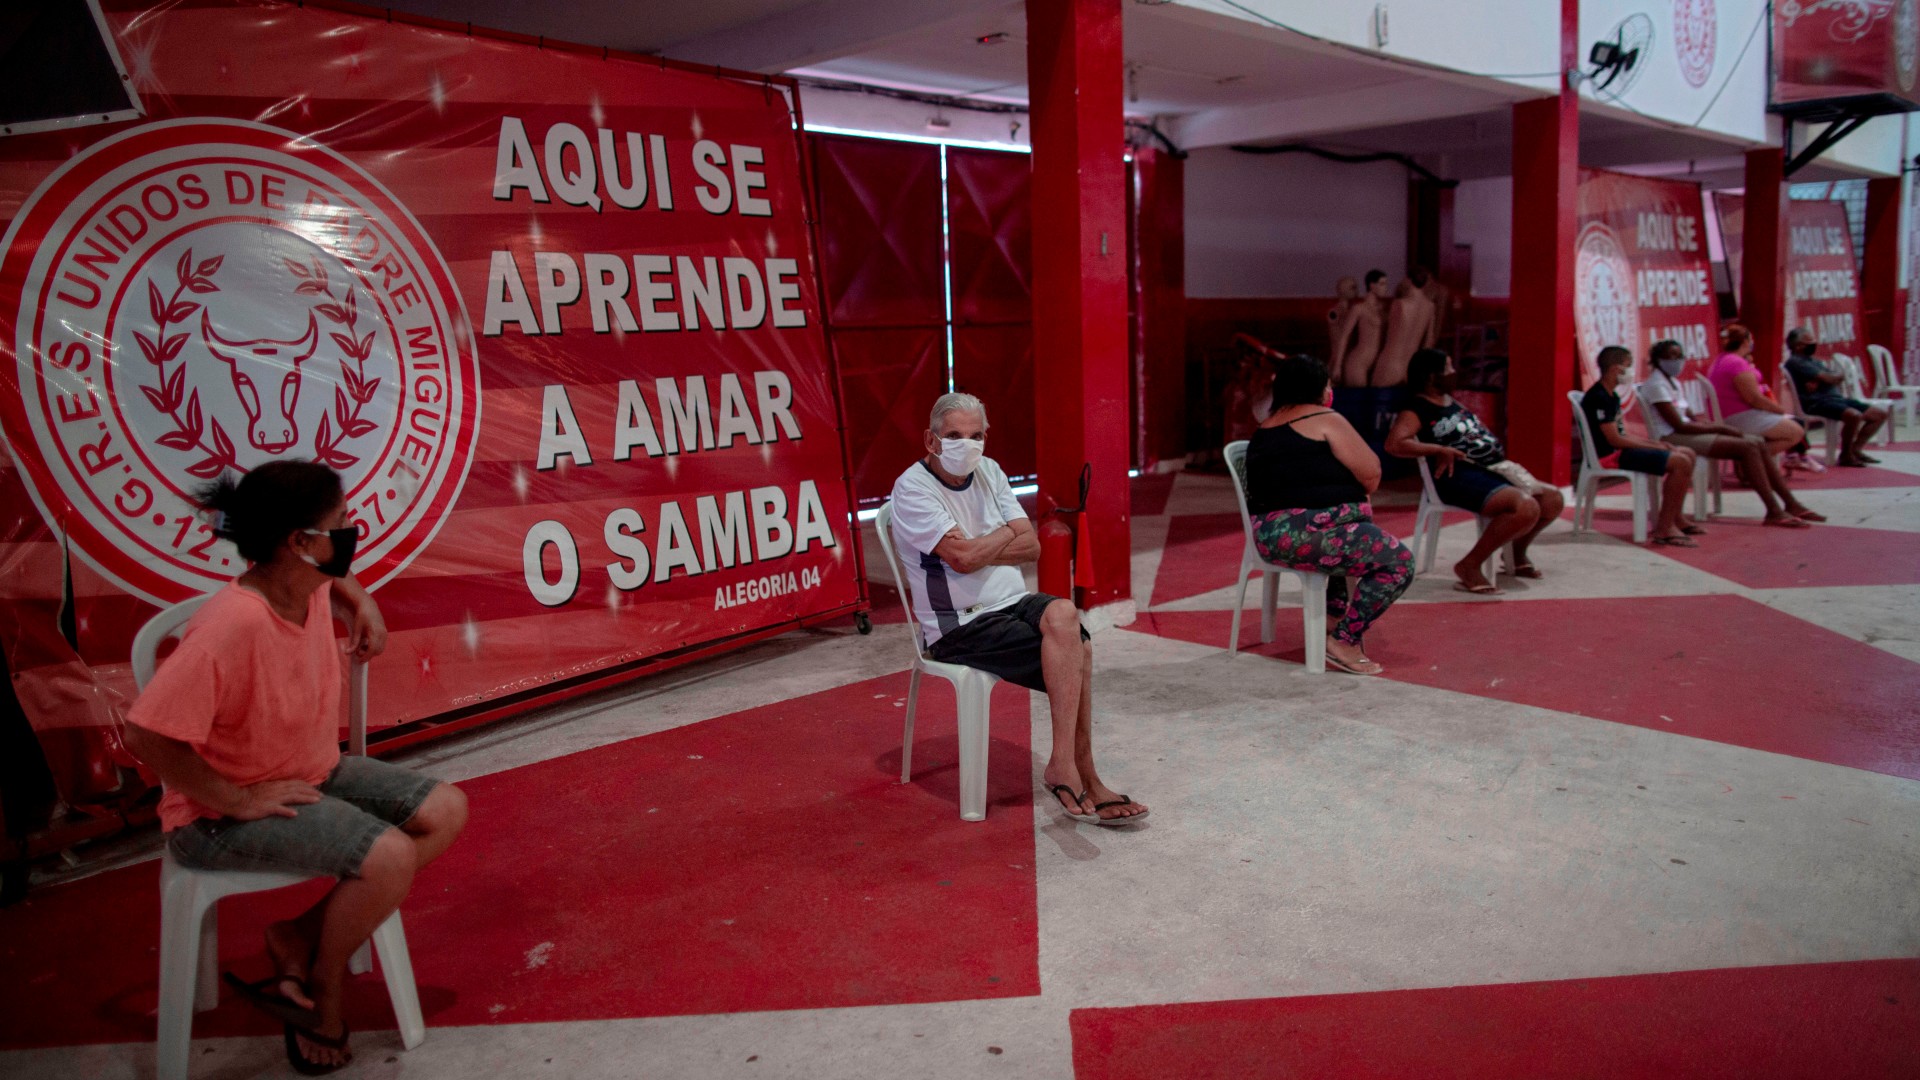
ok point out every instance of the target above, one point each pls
(1056, 557)
(1062, 546)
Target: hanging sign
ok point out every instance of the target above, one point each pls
(1823, 276)
(1641, 269)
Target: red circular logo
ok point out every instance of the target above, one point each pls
(1695, 32)
(201, 296)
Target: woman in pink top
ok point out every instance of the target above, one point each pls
(242, 722)
(1745, 403)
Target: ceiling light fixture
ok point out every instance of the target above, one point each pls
(992, 39)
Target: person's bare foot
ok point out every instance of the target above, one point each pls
(1471, 579)
(332, 1025)
(1099, 794)
(1058, 776)
(292, 954)
(321, 1054)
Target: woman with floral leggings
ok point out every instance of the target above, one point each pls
(1308, 477)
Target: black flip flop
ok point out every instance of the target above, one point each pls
(304, 1065)
(1126, 819)
(264, 995)
(1056, 789)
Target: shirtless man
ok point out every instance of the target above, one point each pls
(1410, 327)
(1346, 293)
(1357, 340)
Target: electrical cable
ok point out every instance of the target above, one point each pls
(1349, 159)
(1765, 11)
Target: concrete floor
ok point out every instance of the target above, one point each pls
(1310, 835)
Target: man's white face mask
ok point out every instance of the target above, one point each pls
(959, 456)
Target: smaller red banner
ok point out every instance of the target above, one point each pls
(1641, 269)
(1823, 277)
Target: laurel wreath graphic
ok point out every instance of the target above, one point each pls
(171, 397)
(356, 390)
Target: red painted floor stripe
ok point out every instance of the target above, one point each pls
(1712, 667)
(765, 860)
(1850, 1021)
(1744, 551)
(1148, 493)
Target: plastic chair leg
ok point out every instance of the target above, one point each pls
(206, 980)
(1313, 600)
(361, 961)
(1269, 599)
(1702, 485)
(973, 693)
(906, 738)
(397, 966)
(180, 962)
(1240, 602)
(1640, 501)
(1426, 539)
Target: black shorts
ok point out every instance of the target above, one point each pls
(1832, 406)
(1651, 462)
(1005, 643)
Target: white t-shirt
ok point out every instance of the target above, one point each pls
(1657, 390)
(924, 510)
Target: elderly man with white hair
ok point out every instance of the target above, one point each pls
(963, 537)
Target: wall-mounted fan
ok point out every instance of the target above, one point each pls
(1620, 57)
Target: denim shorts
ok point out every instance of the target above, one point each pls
(362, 799)
(1468, 486)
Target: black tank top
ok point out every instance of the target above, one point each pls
(1288, 471)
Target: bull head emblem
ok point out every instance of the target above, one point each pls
(259, 362)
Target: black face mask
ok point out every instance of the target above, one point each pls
(344, 541)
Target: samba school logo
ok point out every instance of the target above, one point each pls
(201, 296)
(1606, 306)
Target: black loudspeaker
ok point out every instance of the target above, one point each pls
(58, 68)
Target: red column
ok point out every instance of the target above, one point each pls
(1075, 84)
(1763, 259)
(1160, 224)
(1880, 275)
(1546, 178)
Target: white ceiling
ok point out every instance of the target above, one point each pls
(1210, 79)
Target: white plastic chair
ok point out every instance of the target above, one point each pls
(1706, 476)
(972, 691)
(1830, 430)
(1426, 528)
(1856, 387)
(189, 898)
(1592, 472)
(1707, 404)
(1313, 587)
(1887, 383)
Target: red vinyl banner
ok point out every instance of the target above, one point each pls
(1641, 269)
(551, 313)
(1831, 49)
(1823, 277)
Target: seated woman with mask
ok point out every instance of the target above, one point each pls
(1308, 477)
(1671, 420)
(1471, 470)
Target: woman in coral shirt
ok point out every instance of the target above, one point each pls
(242, 722)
